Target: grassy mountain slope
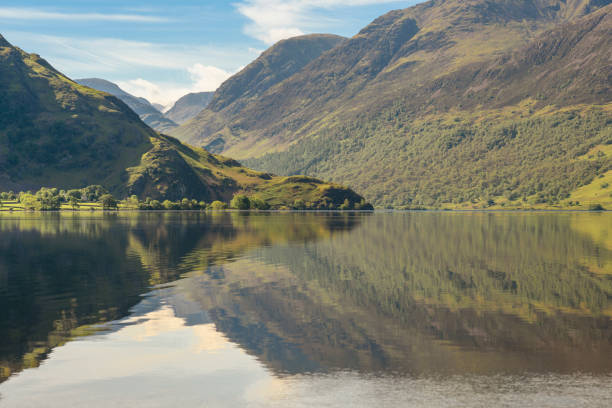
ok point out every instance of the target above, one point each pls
(147, 112)
(515, 130)
(278, 63)
(57, 133)
(374, 111)
(189, 106)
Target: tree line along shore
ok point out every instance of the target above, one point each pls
(96, 197)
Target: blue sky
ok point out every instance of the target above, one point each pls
(162, 50)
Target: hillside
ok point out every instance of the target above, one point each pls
(276, 64)
(147, 112)
(189, 106)
(57, 133)
(448, 103)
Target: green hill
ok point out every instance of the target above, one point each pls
(57, 133)
(448, 103)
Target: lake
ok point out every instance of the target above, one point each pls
(423, 309)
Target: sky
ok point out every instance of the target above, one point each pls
(162, 50)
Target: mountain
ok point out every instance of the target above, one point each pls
(147, 112)
(188, 106)
(445, 104)
(278, 63)
(159, 107)
(55, 132)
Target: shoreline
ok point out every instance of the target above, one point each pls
(375, 211)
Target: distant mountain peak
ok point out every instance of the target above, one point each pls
(278, 62)
(189, 106)
(147, 112)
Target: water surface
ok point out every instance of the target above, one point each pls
(230, 309)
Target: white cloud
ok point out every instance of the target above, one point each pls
(275, 20)
(112, 54)
(19, 13)
(205, 78)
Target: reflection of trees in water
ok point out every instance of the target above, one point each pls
(60, 273)
(426, 292)
(406, 292)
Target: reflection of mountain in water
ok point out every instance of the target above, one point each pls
(59, 274)
(412, 293)
(424, 293)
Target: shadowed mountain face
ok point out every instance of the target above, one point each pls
(412, 293)
(189, 106)
(55, 132)
(143, 108)
(442, 73)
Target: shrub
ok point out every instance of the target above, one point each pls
(596, 207)
(240, 202)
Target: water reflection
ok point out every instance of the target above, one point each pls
(413, 295)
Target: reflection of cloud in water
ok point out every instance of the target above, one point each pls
(153, 324)
(209, 339)
(174, 315)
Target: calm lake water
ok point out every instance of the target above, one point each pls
(306, 310)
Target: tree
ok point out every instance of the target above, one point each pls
(169, 205)
(132, 201)
(346, 205)
(49, 203)
(298, 204)
(155, 205)
(108, 202)
(74, 202)
(29, 201)
(93, 193)
(240, 202)
(363, 206)
(185, 204)
(218, 205)
(74, 193)
(259, 204)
